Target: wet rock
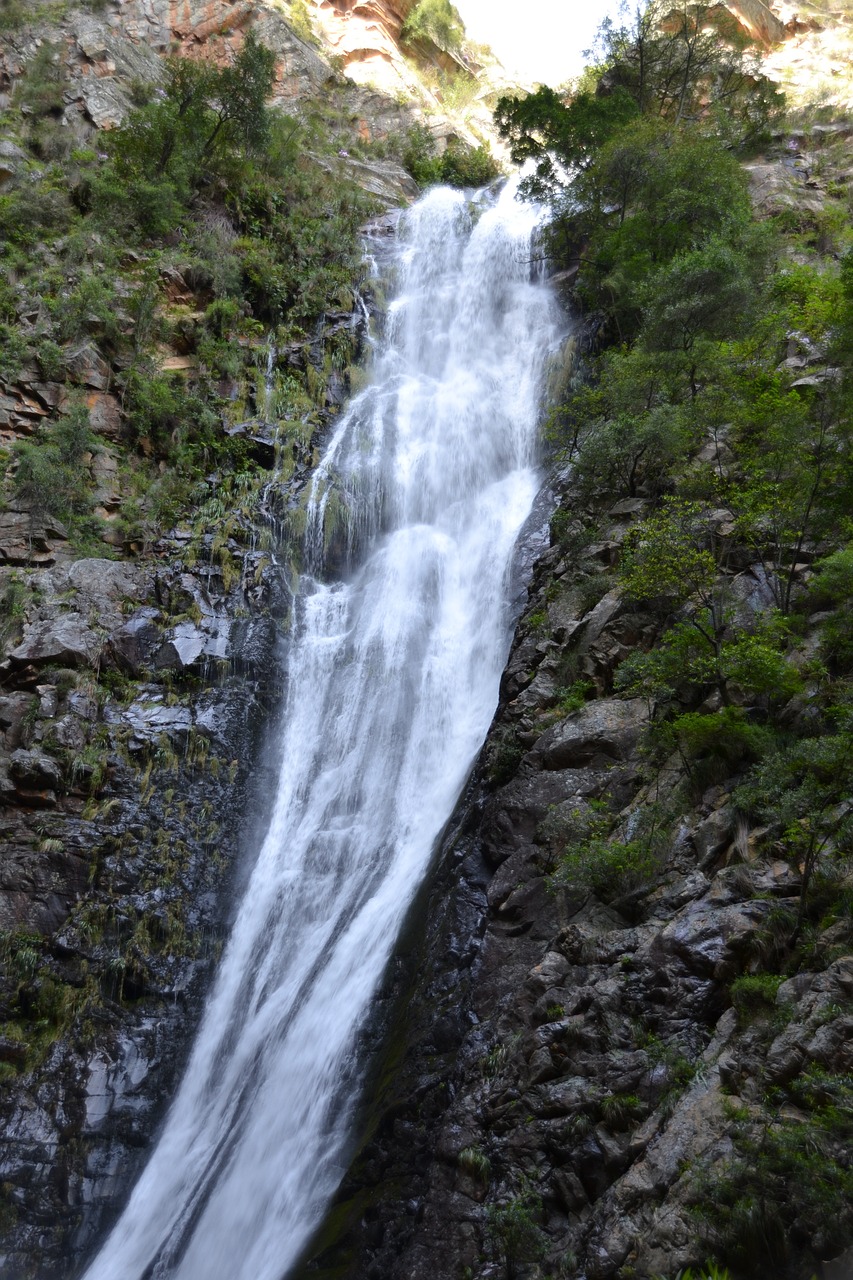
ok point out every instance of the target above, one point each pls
(13, 712)
(66, 641)
(149, 718)
(135, 645)
(712, 836)
(709, 939)
(252, 645)
(189, 644)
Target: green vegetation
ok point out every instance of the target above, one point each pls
(52, 475)
(789, 1187)
(754, 995)
(205, 197)
(437, 21)
(513, 1232)
(714, 404)
(594, 861)
(458, 166)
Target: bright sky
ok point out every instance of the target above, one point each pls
(537, 39)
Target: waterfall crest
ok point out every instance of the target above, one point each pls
(393, 679)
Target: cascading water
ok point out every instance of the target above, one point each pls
(393, 680)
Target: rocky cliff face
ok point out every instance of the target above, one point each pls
(576, 1056)
(588, 1048)
(138, 659)
(365, 34)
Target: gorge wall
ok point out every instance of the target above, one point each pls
(556, 1070)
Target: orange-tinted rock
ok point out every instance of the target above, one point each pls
(104, 414)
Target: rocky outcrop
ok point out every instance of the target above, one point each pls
(758, 20)
(365, 35)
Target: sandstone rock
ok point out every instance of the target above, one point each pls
(27, 539)
(104, 415)
(776, 187)
(87, 366)
(105, 581)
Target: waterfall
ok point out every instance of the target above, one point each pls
(393, 680)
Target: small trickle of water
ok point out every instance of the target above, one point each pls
(393, 679)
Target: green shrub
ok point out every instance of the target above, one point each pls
(513, 1232)
(754, 995)
(571, 698)
(787, 1195)
(475, 1162)
(13, 350)
(622, 1110)
(223, 317)
(464, 166)
(506, 756)
(437, 21)
(12, 14)
(833, 586)
(459, 166)
(52, 475)
(608, 868)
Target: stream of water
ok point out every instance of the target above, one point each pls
(393, 678)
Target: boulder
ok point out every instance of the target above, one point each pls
(710, 940)
(67, 641)
(11, 159)
(104, 414)
(712, 835)
(600, 731)
(189, 644)
(13, 710)
(87, 366)
(135, 645)
(34, 768)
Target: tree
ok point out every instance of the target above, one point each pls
(679, 64)
(689, 62)
(561, 136)
(804, 790)
(652, 194)
(513, 1231)
(673, 558)
(437, 21)
(203, 118)
(52, 472)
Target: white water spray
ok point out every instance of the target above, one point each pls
(393, 680)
